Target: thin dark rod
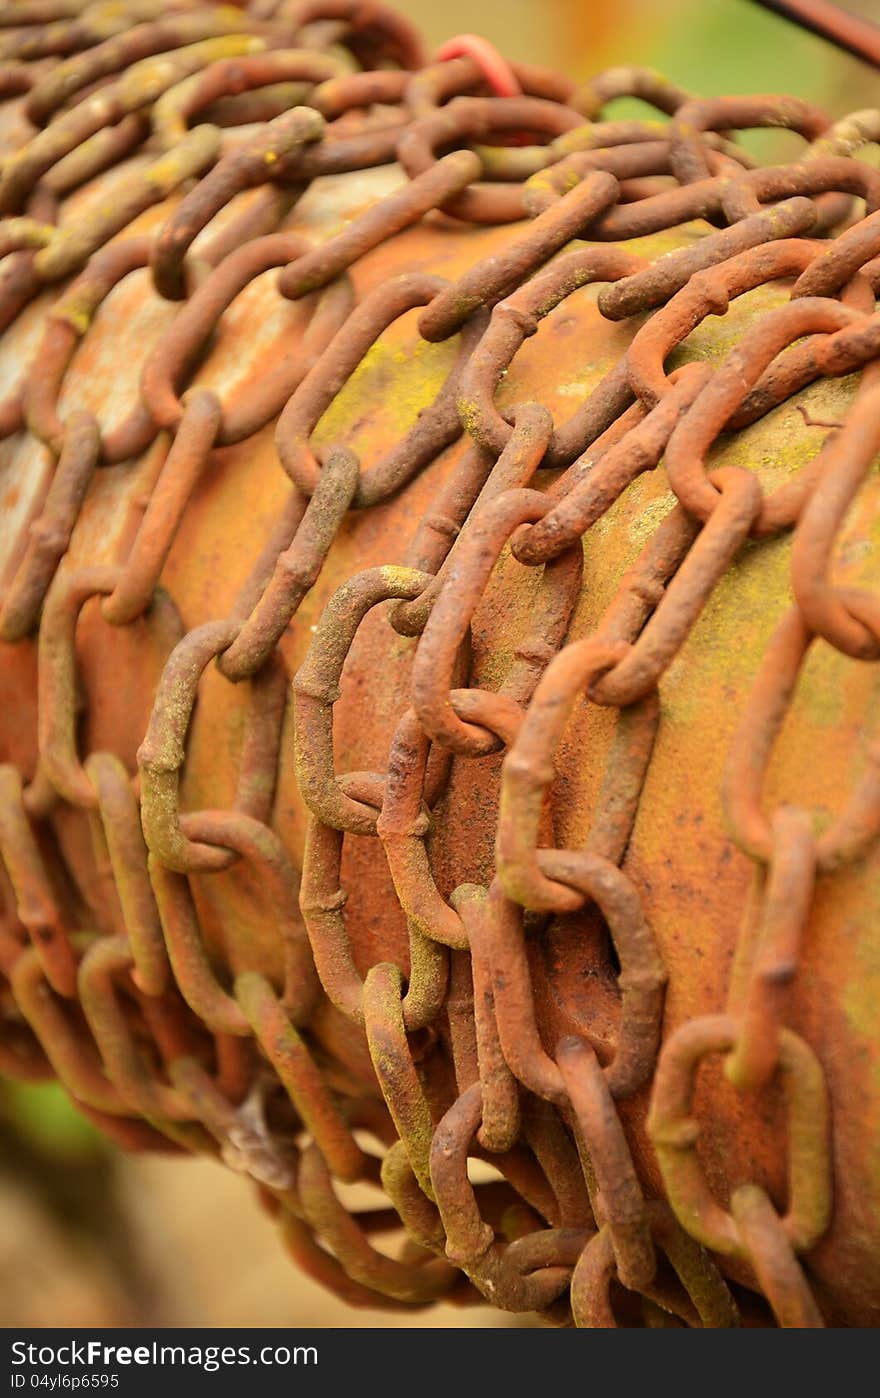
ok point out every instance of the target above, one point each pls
(850, 32)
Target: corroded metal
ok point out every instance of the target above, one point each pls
(316, 834)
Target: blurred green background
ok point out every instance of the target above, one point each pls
(88, 1238)
(708, 46)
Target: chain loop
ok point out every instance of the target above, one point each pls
(674, 1132)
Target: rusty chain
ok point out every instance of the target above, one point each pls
(110, 983)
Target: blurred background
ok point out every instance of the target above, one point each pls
(90, 1238)
(712, 47)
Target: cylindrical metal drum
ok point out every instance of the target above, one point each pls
(438, 690)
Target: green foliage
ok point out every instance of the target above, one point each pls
(44, 1116)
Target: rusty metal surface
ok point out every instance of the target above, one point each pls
(437, 655)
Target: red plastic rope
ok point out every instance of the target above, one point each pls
(496, 70)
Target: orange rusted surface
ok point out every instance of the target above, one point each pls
(695, 885)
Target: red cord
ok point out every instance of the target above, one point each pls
(496, 70)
